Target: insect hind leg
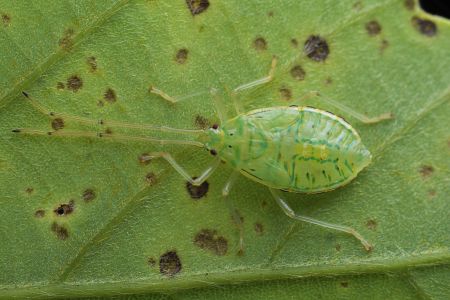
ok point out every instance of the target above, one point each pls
(291, 213)
(260, 81)
(357, 115)
(233, 212)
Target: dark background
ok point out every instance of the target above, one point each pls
(436, 7)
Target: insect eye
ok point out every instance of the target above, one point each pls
(215, 126)
(213, 152)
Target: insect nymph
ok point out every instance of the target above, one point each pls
(286, 148)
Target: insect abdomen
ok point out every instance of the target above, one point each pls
(300, 149)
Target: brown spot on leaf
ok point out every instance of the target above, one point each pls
(110, 95)
(92, 63)
(169, 263)
(424, 26)
(372, 224)
(373, 28)
(298, 73)
(259, 228)
(270, 14)
(285, 93)
(151, 178)
(202, 122)
(384, 44)
(151, 262)
(208, 239)
(316, 48)
(60, 85)
(74, 83)
(338, 247)
(88, 195)
(197, 192)
(40, 213)
(6, 20)
(182, 56)
(432, 193)
(409, 4)
(66, 41)
(344, 284)
(61, 232)
(65, 209)
(294, 42)
(57, 123)
(197, 6)
(426, 171)
(29, 190)
(260, 44)
(357, 6)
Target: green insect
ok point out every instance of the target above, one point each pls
(286, 148)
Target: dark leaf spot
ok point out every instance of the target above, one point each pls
(270, 14)
(110, 95)
(6, 19)
(57, 123)
(384, 45)
(260, 44)
(169, 263)
(88, 195)
(108, 131)
(151, 178)
(197, 192)
(100, 103)
(60, 85)
(409, 4)
(373, 28)
(66, 41)
(92, 63)
(371, 224)
(316, 48)
(182, 56)
(298, 73)
(208, 239)
(294, 43)
(285, 93)
(432, 193)
(338, 247)
(60, 231)
(197, 6)
(259, 228)
(201, 122)
(65, 209)
(29, 190)
(328, 81)
(74, 83)
(40, 213)
(151, 262)
(424, 26)
(426, 171)
(344, 284)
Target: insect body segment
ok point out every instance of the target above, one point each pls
(297, 149)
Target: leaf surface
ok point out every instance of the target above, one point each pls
(84, 217)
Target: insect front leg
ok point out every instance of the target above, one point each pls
(291, 213)
(197, 181)
(359, 116)
(234, 213)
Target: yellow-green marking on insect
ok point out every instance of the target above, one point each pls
(286, 148)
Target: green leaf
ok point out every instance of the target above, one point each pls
(83, 217)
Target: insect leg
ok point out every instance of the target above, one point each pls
(291, 213)
(165, 96)
(197, 181)
(359, 116)
(106, 135)
(260, 81)
(234, 213)
(105, 123)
